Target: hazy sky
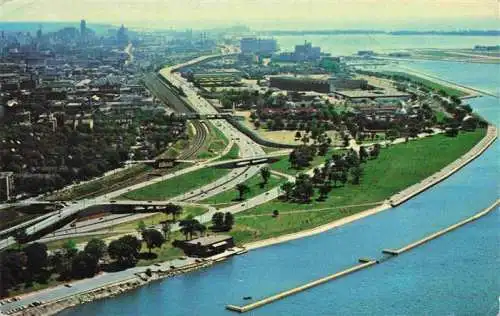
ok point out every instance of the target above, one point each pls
(442, 14)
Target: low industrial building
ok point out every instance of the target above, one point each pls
(291, 83)
(205, 246)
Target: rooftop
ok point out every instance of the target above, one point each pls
(209, 240)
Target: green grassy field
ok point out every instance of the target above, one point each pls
(284, 166)
(396, 168)
(254, 183)
(177, 185)
(100, 186)
(155, 219)
(233, 153)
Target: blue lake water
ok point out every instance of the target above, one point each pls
(452, 275)
(349, 44)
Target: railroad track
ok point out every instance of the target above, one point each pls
(197, 142)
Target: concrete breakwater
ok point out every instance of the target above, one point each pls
(364, 263)
(476, 151)
(442, 232)
(271, 299)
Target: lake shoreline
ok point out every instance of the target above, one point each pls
(396, 200)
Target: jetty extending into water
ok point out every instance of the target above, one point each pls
(419, 242)
(364, 263)
(242, 309)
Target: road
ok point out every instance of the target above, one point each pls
(248, 148)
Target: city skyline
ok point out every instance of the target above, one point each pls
(259, 14)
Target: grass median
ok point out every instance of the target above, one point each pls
(396, 168)
(255, 184)
(167, 189)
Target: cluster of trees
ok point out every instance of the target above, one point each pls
(240, 98)
(190, 226)
(302, 156)
(52, 158)
(338, 170)
(222, 222)
(22, 267)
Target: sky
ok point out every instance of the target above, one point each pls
(276, 14)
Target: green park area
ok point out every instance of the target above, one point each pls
(284, 166)
(177, 185)
(255, 186)
(102, 185)
(233, 153)
(396, 168)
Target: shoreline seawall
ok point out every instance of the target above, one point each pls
(396, 200)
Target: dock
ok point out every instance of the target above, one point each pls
(271, 299)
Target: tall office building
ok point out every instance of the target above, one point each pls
(83, 30)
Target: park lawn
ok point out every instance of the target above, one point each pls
(284, 166)
(256, 188)
(99, 186)
(156, 218)
(252, 228)
(396, 168)
(233, 153)
(177, 185)
(58, 244)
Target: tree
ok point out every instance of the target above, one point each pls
(363, 154)
(218, 220)
(287, 187)
(11, 270)
(166, 229)
(70, 248)
(37, 258)
(356, 173)
(153, 238)
(276, 213)
(84, 265)
(96, 248)
(265, 173)
(298, 135)
(173, 209)
(242, 190)
(199, 227)
(324, 190)
(188, 227)
(141, 226)
(375, 151)
(303, 189)
(125, 250)
(228, 221)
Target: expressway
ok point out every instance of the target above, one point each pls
(248, 149)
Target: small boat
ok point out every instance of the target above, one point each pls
(247, 298)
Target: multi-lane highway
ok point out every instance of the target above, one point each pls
(248, 148)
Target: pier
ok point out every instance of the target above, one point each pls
(242, 309)
(417, 243)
